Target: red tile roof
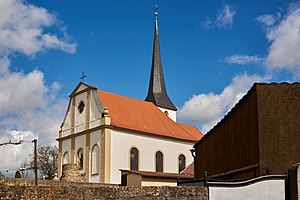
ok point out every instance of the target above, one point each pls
(145, 117)
(159, 174)
(189, 169)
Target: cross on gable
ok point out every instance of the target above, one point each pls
(82, 77)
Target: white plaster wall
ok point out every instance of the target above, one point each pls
(95, 114)
(66, 129)
(95, 179)
(82, 87)
(66, 146)
(95, 138)
(171, 113)
(121, 143)
(80, 141)
(269, 190)
(80, 117)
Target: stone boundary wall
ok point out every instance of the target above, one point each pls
(30, 182)
(79, 192)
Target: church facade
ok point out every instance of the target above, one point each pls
(104, 133)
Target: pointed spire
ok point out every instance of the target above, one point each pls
(157, 92)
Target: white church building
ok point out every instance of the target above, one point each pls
(104, 133)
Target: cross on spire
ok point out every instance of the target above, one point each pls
(157, 92)
(155, 11)
(82, 77)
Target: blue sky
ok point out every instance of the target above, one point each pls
(212, 52)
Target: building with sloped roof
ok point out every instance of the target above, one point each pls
(104, 133)
(259, 136)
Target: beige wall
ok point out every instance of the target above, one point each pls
(134, 180)
(139, 180)
(158, 182)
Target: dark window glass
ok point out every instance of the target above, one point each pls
(181, 163)
(134, 159)
(80, 158)
(81, 107)
(159, 158)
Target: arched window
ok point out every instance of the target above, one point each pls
(80, 158)
(66, 158)
(181, 163)
(94, 160)
(134, 159)
(159, 161)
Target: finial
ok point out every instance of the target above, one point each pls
(82, 77)
(106, 111)
(155, 11)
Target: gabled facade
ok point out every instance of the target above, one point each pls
(104, 133)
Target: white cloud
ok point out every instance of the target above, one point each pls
(224, 18)
(268, 20)
(283, 34)
(29, 107)
(283, 52)
(55, 86)
(207, 23)
(22, 29)
(243, 59)
(4, 65)
(207, 109)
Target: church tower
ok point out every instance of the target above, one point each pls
(157, 92)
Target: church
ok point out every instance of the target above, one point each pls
(105, 133)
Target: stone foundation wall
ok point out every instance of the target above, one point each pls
(78, 192)
(70, 173)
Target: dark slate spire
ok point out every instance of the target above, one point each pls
(157, 92)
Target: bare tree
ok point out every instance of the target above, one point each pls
(48, 160)
(25, 169)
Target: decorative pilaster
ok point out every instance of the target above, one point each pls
(60, 155)
(87, 156)
(105, 148)
(88, 111)
(73, 150)
(73, 130)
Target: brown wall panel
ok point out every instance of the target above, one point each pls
(233, 143)
(279, 126)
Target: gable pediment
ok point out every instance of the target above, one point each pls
(84, 110)
(81, 87)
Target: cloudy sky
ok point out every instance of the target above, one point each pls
(212, 53)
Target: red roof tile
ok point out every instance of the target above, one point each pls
(189, 169)
(145, 117)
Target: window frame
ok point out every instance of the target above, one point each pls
(64, 156)
(157, 167)
(80, 167)
(137, 158)
(95, 163)
(184, 157)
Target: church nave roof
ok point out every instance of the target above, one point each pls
(142, 116)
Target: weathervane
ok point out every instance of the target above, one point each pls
(82, 77)
(155, 11)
